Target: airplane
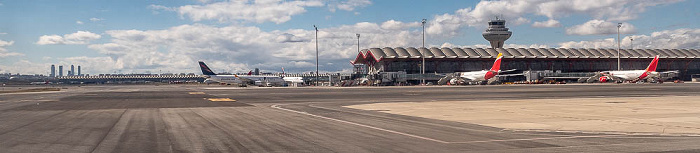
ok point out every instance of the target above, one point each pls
(240, 80)
(633, 75)
(483, 76)
(296, 80)
(39, 83)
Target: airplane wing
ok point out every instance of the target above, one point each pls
(511, 70)
(519, 74)
(674, 71)
(564, 77)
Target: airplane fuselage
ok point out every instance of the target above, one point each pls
(631, 74)
(478, 75)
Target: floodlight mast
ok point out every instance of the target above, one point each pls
(422, 69)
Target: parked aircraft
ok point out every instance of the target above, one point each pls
(480, 77)
(292, 80)
(242, 80)
(633, 75)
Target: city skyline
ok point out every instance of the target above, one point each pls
(239, 36)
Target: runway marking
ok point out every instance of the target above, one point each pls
(277, 106)
(196, 93)
(221, 99)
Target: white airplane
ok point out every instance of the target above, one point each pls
(293, 80)
(481, 76)
(632, 75)
(240, 80)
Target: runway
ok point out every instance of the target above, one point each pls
(193, 118)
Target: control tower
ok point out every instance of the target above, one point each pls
(497, 33)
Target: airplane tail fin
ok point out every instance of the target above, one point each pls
(283, 74)
(653, 64)
(250, 72)
(497, 64)
(205, 69)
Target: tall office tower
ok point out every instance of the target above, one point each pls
(53, 71)
(60, 70)
(72, 70)
(257, 71)
(79, 71)
(497, 33)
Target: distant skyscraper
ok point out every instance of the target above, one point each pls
(79, 71)
(53, 71)
(72, 70)
(60, 70)
(257, 71)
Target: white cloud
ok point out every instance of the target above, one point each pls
(398, 25)
(3, 50)
(350, 5)
(80, 37)
(161, 7)
(258, 11)
(667, 39)
(237, 48)
(600, 27)
(25, 67)
(78, 22)
(6, 43)
(96, 19)
(547, 24)
(3, 33)
(517, 11)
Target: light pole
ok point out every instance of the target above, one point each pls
(358, 42)
(618, 45)
(422, 55)
(316, 54)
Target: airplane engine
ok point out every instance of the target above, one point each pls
(603, 79)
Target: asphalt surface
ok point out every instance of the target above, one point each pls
(177, 118)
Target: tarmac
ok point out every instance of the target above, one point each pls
(502, 118)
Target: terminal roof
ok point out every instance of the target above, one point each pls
(378, 54)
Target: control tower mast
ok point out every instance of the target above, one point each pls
(497, 33)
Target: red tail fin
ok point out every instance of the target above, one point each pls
(250, 72)
(652, 65)
(497, 65)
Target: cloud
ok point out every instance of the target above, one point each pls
(3, 50)
(667, 39)
(25, 67)
(349, 5)
(398, 25)
(78, 22)
(80, 37)
(258, 11)
(96, 19)
(286, 37)
(547, 24)
(161, 7)
(237, 48)
(600, 27)
(518, 11)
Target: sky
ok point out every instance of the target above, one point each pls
(136, 36)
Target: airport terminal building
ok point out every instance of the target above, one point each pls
(449, 60)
